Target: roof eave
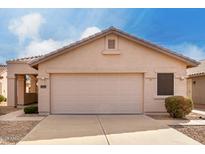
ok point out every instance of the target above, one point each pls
(72, 46)
(188, 61)
(196, 75)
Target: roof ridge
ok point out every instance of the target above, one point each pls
(29, 57)
(24, 58)
(156, 45)
(77, 42)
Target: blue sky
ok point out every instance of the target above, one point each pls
(28, 32)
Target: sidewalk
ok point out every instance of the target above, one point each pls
(199, 112)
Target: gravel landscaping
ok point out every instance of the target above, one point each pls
(195, 132)
(13, 131)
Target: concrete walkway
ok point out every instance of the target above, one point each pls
(186, 122)
(199, 112)
(17, 116)
(104, 129)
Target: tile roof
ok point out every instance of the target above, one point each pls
(197, 71)
(25, 59)
(2, 67)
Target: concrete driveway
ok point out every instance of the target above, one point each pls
(104, 129)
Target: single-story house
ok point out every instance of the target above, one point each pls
(111, 72)
(196, 83)
(3, 80)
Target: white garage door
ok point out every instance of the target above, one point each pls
(96, 93)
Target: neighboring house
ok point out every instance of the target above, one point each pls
(111, 72)
(196, 83)
(3, 80)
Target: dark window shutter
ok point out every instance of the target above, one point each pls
(165, 84)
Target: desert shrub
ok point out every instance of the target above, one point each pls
(2, 98)
(178, 106)
(31, 109)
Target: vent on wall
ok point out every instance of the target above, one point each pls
(111, 44)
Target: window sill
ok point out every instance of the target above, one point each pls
(161, 97)
(111, 52)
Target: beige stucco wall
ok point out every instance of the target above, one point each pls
(3, 84)
(13, 69)
(133, 58)
(198, 89)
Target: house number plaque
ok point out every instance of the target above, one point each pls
(43, 86)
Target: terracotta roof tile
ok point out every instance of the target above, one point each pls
(25, 59)
(197, 71)
(2, 67)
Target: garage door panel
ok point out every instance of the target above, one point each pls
(96, 93)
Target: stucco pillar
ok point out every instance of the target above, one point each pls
(11, 91)
(189, 88)
(33, 88)
(20, 89)
(44, 94)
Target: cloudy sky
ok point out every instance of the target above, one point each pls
(29, 32)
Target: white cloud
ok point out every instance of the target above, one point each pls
(42, 47)
(27, 26)
(90, 31)
(191, 50)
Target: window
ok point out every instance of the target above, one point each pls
(165, 84)
(111, 44)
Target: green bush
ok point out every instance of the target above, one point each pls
(2, 98)
(178, 106)
(31, 109)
